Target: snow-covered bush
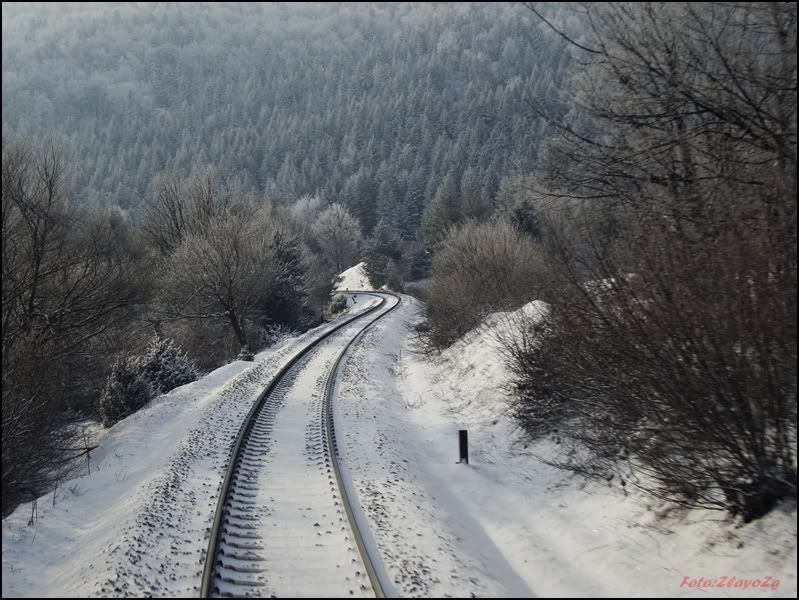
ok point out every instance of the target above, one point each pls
(126, 391)
(134, 380)
(339, 303)
(273, 334)
(245, 354)
(165, 366)
(266, 337)
(478, 269)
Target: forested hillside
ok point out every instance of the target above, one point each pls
(182, 184)
(373, 105)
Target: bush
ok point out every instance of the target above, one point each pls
(686, 383)
(480, 268)
(126, 391)
(673, 345)
(266, 337)
(209, 342)
(246, 354)
(541, 399)
(338, 304)
(134, 380)
(164, 366)
(417, 289)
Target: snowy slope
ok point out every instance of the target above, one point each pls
(353, 278)
(138, 524)
(507, 525)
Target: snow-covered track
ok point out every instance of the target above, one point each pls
(241, 555)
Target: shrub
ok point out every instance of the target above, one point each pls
(134, 380)
(126, 391)
(164, 366)
(686, 383)
(541, 398)
(246, 354)
(673, 324)
(338, 304)
(208, 341)
(480, 268)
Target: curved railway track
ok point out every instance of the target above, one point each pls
(248, 553)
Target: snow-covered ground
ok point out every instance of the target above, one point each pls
(138, 524)
(354, 278)
(507, 525)
(287, 533)
(504, 525)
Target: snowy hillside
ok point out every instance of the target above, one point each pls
(507, 525)
(138, 524)
(354, 278)
(504, 525)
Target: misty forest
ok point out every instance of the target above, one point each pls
(182, 184)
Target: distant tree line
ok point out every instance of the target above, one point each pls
(634, 165)
(380, 107)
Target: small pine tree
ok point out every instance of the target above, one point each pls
(125, 392)
(382, 248)
(164, 366)
(443, 212)
(393, 276)
(339, 304)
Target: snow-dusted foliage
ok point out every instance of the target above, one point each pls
(136, 379)
(165, 366)
(478, 269)
(670, 357)
(246, 354)
(126, 391)
(338, 304)
(266, 337)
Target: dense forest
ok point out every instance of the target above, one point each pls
(151, 153)
(370, 105)
(181, 184)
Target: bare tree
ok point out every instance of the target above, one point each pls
(69, 281)
(177, 207)
(222, 272)
(672, 344)
(339, 236)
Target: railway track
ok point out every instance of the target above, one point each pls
(284, 523)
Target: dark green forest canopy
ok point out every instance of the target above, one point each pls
(369, 104)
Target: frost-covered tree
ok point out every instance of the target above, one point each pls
(427, 90)
(165, 366)
(126, 391)
(339, 236)
(382, 248)
(443, 212)
(474, 204)
(223, 273)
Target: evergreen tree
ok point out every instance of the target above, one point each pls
(472, 200)
(382, 248)
(443, 212)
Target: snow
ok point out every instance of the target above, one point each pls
(300, 525)
(506, 524)
(354, 278)
(138, 524)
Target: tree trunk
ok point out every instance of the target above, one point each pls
(237, 328)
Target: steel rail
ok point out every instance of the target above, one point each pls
(209, 568)
(330, 436)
